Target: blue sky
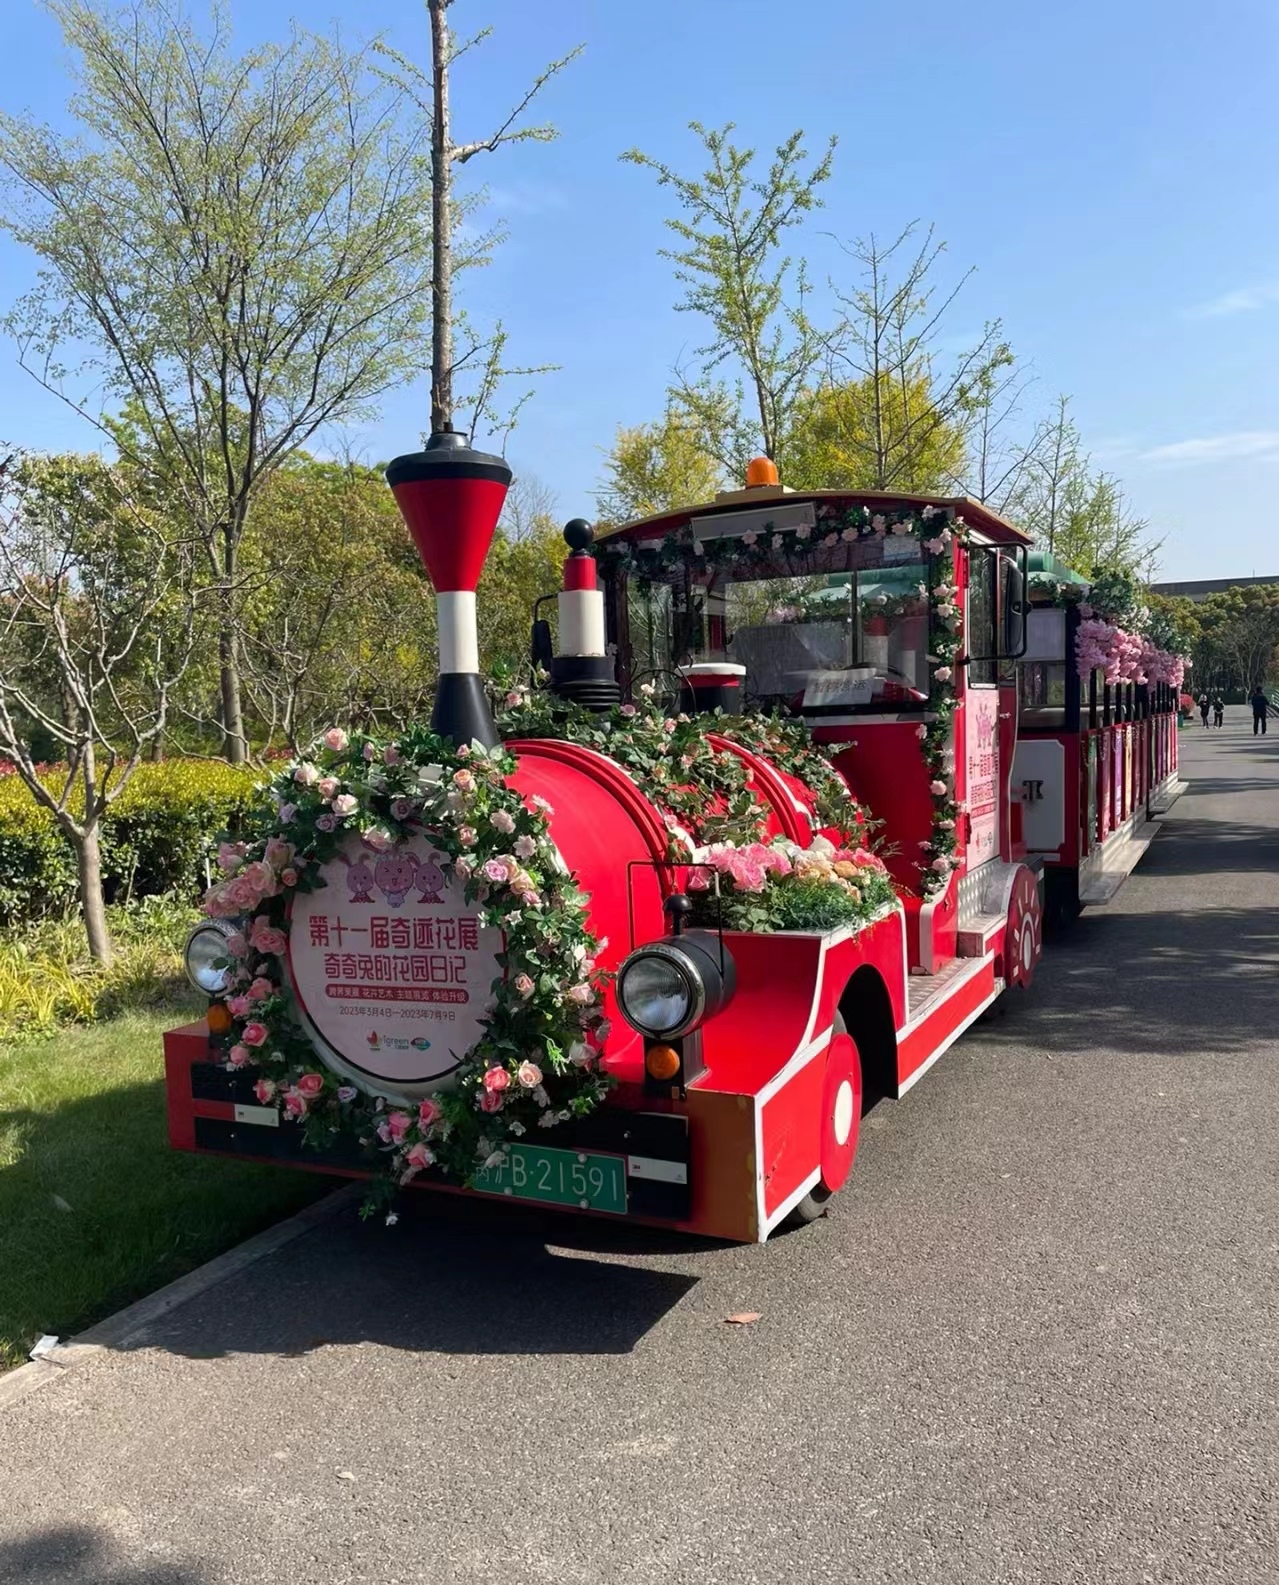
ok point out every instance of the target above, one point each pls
(1110, 169)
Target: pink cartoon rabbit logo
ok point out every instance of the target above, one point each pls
(359, 880)
(430, 880)
(395, 874)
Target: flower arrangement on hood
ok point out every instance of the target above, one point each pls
(537, 1061)
(780, 886)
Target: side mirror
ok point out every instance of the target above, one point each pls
(541, 646)
(1014, 624)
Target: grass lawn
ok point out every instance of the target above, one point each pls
(95, 1209)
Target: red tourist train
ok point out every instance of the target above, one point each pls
(738, 1061)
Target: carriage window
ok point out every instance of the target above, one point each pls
(982, 637)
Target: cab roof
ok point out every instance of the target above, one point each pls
(998, 530)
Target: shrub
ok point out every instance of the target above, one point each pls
(47, 978)
(155, 837)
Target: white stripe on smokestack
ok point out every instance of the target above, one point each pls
(581, 613)
(458, 631)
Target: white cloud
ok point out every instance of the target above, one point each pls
(1260, 444)
(1241, 301)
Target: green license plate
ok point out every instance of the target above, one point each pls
(559, 1177)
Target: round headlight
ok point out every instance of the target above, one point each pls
(207, 947)
(660, 991)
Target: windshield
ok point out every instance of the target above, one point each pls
(834, 643)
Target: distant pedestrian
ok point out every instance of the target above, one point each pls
(1260, 704)
(1218, 711)
(1205, 705)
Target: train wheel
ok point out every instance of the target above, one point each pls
(840, 1123)
(1024, 933)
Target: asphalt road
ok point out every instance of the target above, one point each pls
(1034, 1340)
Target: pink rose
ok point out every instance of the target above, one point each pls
(529, 1075)
(369, 752)
(580, 995)
(401, 808)
(229, 856)
(378, 839)
(239, 1006)
(494, 870)
(306, 775)
(464, 752)
(937, 788)
(419, 1157)
(848, 534)
(393, 1127)
(287, 811)
(260, 876)
(236, 945)
(496, 1079)
(336, 739)
(328, 786)
(943, 674)
(467, 836)
(391, 755)
(464, 781)
(239, 1056)
(669, 724)
(941, 865)
(501, 821)
(514, 699)
(541, 804)
(346, 1093)
(698, 881)
(628, 710)
(270, 940)
(294, 1104)
(525, 847)
(288, 877)
(463, 869)
(491, 1101)
(524, 985)
(310, 1085)
(345, 804)
(264, 1089)
(279, 852)
(255, 1034)
(530, 899)
(326, 822)
(429, 1112)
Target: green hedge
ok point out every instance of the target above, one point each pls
(155, 837)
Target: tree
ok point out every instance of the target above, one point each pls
(338, 623)
(1075, 513)
(239, 241)
(1239, 633)
(886, 349)
(97, 625)
(432, 96)
(730, 262)
(856, 436)
(656, 468)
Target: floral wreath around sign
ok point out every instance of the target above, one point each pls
(938, 530)
(537, 1061)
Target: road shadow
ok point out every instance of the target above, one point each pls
(78, 1555)
(484, 1280)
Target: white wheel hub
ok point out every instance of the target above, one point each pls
(843, 1119)
(1027, 947)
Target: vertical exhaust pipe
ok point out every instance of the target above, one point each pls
(450, 498)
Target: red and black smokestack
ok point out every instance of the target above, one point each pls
(451, 498)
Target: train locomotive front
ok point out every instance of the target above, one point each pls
(738, 1060)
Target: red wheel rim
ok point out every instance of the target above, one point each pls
(841, 1110)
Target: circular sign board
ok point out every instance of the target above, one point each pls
(389, 966)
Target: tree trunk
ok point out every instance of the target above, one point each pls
(88, 850)
(234, 746)
(441, 223)
(92, 904)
